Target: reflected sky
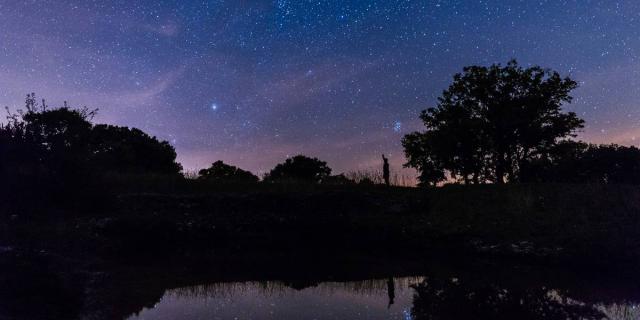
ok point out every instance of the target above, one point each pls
(370, 299)
(274, 300)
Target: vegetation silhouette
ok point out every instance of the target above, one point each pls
(222, 172)
(339, 179)
(130, 150)
(579, 162)
(60, 149)
(489, 122)
(44, 142)
(299, 169)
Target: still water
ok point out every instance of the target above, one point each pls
(391, 298)
(287, 289)
(370, 299)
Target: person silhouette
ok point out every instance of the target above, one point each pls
(385, 170)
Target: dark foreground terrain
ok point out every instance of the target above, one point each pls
(109, 255)
(552, 221)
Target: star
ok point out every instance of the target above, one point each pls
(397, 126)
(335, 77)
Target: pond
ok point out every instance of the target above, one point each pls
(369, 299)
(360, 287)
(390, 298)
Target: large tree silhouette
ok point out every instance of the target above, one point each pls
(490, 121)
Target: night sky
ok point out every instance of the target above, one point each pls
(252, 82)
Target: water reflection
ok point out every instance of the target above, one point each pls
(42, 287)
(460, 299)
(621, 311)
(370, 299)
(392, 298)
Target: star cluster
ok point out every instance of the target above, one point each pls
(250, 82)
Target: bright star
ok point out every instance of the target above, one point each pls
(214, 106)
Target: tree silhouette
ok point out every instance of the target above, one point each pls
(130, 150)
(490, 121)
(611, 164)
(419, 152)
(299, 169)
(222, 172)
(63, 144)
(55, 141)
(578, 162)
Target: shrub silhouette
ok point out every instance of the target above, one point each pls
(299, 169)
(366, 181)
(222, 172)
(339, 179)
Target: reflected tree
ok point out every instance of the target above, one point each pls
(451, 298)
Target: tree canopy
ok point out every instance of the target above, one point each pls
(63, 142)
(131, 150)
(490, 122)
(299, 169)
(222, 172)
(579, 162)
